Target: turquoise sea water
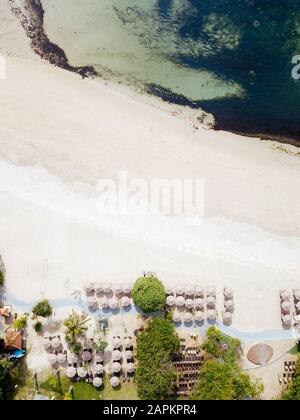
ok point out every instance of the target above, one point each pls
(232, 58)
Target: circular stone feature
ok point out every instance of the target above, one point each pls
(260, 354)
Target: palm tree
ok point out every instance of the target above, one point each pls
(76, 325)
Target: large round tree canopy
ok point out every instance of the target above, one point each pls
(149, 294)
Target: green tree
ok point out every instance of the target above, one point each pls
(20, 323)
(43, 309)
(100, 346)
(76, 325)
(293, 391)
(6, 379)
(155, 371)
(149, 294)
(220, 377)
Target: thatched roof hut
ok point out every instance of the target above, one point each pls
(71, 372)
(97, 382)
(187, 317)
(211, 314)
(73, 358)
(211, 302)
(118, 289)
(99, 358)
(130, 368)
(128, 343)
(92, 303)
(86, 356)
(107, 288)
(56, 343)
(176, 317)
(285, 295)
(227, 317)
(46, 343)
(180, 301)
(98, 369)
(82, 372)
(125, 302)
(228, 293)
(189, 291)
(89, 289)
(229, 305)
(127, 289)
(287, 320)
(113, 303)
(116, 367)
(297, 294)
(199, 303)
(117, 343)
(286, 306)
(52, 358)
(128, 355)
(116, 355)
(98, 287)
(104, 302)
(180, 290)
(61, 358)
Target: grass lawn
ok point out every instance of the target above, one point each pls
(294, 350)
(81, 390)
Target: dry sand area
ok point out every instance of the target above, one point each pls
(59, 135)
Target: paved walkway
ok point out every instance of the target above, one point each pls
(243, 336)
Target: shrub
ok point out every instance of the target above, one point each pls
(43, 309)
(149, 294)
(2, 279)
(155, 371)
(20, 323)
(38, 327)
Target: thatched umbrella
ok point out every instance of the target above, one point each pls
(52, 358)
(171, 300)
(127, 289)
(199, 316)
(104, 302)
(98, 288)
(199, 303)
(82, 372)
(286, 306)
(130, 368)
(114, 381)
(92, 303)
(117, 343)
(297, 294)
(188, 317)
(73, 358)
(47, 343)
(61, 358)
(89, 289)
(211, 291)
(169, 291)
(227, 317)
(128, 343)
(113, 303)
(99, 358)
(176, 317)
(71, 372)
(88, 343)
(116, 355)
(116, 367)
(128, 355)
(189, 291)
(189, 304)
(98, 369)
(125, 302)
(228, 293)
(287, 320)
(97, 382)
(229, 305)
(180, 301)
(298, 306)
(118, 289)
(284, 294)
(86, 356)
(199, 292)
(297, 319)
(211, 302)
(107, 288)
(56, 343)
(211, 314)
(180, 290)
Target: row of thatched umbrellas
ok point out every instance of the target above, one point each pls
(191, 291)
(228, 305)
(198, 316)
(106, 303)
(286, 306)
(107, 288)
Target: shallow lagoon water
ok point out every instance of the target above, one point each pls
(232, 58)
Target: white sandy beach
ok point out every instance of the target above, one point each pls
(59, 135)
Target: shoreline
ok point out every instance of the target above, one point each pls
(33, 24)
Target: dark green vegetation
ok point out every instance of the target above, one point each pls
(155, 371)
(2, 279)
(43, 309)
(293, 391)
(149, 294)
(75, 329)
(6, 380)
(38, 327)
(221, 378)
